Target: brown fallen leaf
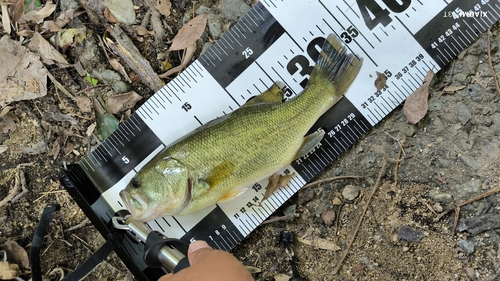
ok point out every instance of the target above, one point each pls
(16, 254)
(452, 89)
(46, 51)
(276, 181)
(118, 103)
(305, 195)
(30, 81)
(9, 270)
(189, 33)
(5, 18)
(84, 104)
(119, 67)
(142, 31)
(164, 7)
(380, 81)
(16, 9)
(320, 243)
(38, 15)
(416, 104)
(328, 217)
(188, 55)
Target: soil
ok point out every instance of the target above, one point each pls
(450, 156)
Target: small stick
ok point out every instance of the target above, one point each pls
(374, 189)
(80, 225)
(318, 182)
(490, 63)
(474, 199)
(282, 218)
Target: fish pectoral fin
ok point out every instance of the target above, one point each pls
(274, 94)
(233, 193)
(310, 141)
(219, 173)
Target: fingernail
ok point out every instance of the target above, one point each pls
(196, 245)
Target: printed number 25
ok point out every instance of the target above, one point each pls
(247, 52)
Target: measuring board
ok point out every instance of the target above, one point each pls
(277, 40)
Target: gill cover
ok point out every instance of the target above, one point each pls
(159, 189)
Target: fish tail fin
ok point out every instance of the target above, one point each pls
(336, 66)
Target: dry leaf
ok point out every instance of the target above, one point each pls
(122, 10)
(380, 81)
(142, 31)
(90, 129)
(188, 55)
(16, 254)
(416, 104)
(118, 103)
(452, 89)
(320, 243)
(164, 7)
(189, 33)
(328, 217)
(84, 104)
(5, 110)
(16, 9)
(9, 271)
(119, 67)
(68, 37)
(305, 195)
(109, 16)
(5, 18)
(22, 75)
(7, 124)
(38, 15)
(3, 148)
(46, 51)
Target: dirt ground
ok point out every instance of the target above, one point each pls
(450, 156)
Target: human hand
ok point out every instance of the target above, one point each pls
(207, 264)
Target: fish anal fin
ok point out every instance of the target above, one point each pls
(274, 94)
(310, 141)
(233, 193)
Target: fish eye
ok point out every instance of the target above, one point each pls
(135, 183)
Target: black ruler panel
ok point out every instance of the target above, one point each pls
(224, 235)
(129, 145)
(456, 27)
(242, 45)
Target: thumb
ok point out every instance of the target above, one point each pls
(197, 251)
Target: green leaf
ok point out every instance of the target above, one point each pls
(92, 80)
(31, 5)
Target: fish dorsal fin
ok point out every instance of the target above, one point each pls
(272, 95)
(219, 173)
(310, 141)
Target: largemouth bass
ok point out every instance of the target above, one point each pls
(219, 160)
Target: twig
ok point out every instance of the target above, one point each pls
(24, 190)
(396, 166)
(282, 218)
(19, 185)
(428, 206)
(318, 182)
(374, 189)
(490, 63)
(80, 225)
(474, 199)
(59, 86)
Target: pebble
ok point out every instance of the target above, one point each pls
(475, 92)
(350, 192)
(463, 113)
(409, 234)
(440, 197)
(233, 9)
(466, 246)
(336, 201)
(437, 207)
(472, 186)
(469, 161)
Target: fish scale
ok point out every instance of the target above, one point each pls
(402, 39)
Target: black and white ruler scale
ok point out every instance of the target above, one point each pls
(277, 40)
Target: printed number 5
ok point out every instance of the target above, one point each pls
(247, 52)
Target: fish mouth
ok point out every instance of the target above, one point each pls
(135, 203)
